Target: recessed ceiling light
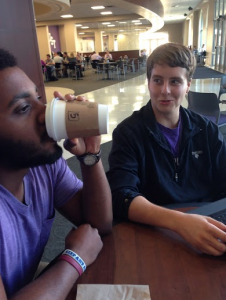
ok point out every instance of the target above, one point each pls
(135, 21)
(106, 23)
(84, 27)
(81, 32)
(122, 22)
(78, 25)
(66, 16)
(121, 30)
(111, 25)
(97, 7)
(106, 13)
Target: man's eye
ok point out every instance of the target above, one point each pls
(39, 97)
(175, 82)
(23, 109)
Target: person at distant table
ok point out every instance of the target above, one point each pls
(57, 58)
(50, 66)
(165, 154)
(107, 56)
(96, 56)
(65, 64)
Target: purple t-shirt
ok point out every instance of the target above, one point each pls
(173, 136)
(25, 228)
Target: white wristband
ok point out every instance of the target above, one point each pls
(76, 257)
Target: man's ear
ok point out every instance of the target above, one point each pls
(188, 87)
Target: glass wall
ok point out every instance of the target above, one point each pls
(219, 40)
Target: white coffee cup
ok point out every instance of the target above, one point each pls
(74, 119)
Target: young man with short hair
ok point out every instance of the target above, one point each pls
(165, 154)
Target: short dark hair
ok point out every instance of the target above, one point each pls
(173, 55)
(7, 59)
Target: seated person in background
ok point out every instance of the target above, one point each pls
(195, 50)
(107, 55)
(34, 181)
(58, 58)
(65, 64)
(72, 58)
(96, 56)
(43, 64)
(125, 57)
(50, 66)
(165, 154)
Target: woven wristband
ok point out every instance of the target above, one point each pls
(72, 262)
(76, 257)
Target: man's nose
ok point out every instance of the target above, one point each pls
(41, 116)
(165, 88)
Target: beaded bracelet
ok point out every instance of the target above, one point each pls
(76, 257)
(72, 262)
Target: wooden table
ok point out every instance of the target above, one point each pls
(139, 254)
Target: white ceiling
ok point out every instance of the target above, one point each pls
(50, 10)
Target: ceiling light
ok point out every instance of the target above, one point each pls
(106, 13)
(121, 30)
(106, 23)
(97, 7)
(81, 32)
(122, 22)
(111, 25)
(138, 23)
(78, 25)
(66, 16)
(141, 18)
(135, 21)
(84, 27)
(137, 29)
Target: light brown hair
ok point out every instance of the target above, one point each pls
(173, 55)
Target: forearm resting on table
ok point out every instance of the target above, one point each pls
(55, 283)
(143, 211)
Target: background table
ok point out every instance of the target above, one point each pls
(139, 254)
(106, 67)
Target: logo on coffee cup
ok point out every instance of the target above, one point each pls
(73, 116)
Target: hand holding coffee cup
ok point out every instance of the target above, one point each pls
(75, 119)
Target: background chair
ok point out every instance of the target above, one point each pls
(58, 70)
(94, 63)
(207, 105)
(118, 69)
(131, 65)
(101, 69)
(72, 70)
(222, 88)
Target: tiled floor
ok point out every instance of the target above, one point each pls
(125, 97)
